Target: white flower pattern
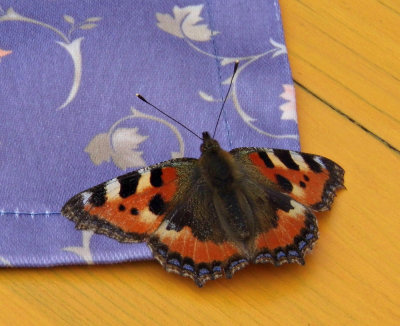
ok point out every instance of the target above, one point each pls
(121, 144)
(185, 24)
(72, 46)
(288, 108)
(125, 142)
(5, 262)
(83, 251)
(121, 147)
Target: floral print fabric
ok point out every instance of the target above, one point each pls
(69, 72)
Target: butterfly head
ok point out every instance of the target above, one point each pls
(209, 144)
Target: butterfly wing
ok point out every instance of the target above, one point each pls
(130, 207)
(290, 234)
(309, 179)
(168, 206)
(289, 186)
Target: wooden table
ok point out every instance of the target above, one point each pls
(345, 57)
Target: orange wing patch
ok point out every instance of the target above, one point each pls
(136, 213)
(309, 179)
(128, 208)
(187, 245)
(181, 252)
(295, 233)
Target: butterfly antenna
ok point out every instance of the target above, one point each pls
(167, 115)
(226, 97)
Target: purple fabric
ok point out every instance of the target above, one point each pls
(69, 71)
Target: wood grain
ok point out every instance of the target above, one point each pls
(345, 61)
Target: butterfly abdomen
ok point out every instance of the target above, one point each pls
(222, 176)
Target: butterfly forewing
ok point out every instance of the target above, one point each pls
(131, 207)
(309, 179)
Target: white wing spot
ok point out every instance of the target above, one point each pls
(144, 182)
(85, 197)
(147, 216)
(276, 161)
(297, 191)
(299, 161)
(113, 188)
(319, 161)
(163, 233)
(297, 210)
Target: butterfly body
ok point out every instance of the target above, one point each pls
(222, 176)
(210, 217)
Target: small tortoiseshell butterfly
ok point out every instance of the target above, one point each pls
(210, 217)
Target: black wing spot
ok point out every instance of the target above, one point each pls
(98, 197)
(267, 161)
(155, 177)
(178, 219)
(128, 184)
(313, 165)
(284, 183)
(286, 158)
(280, 201)
(134, 211)
(306, 178)
(121, 208)
(302, 184)
(157, 205)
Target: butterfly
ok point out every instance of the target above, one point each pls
(209, 217)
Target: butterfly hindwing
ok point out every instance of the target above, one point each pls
(130, 207)
(191, 242)
(284, 229)
(201, 260)
(309, 179)
(292, 233)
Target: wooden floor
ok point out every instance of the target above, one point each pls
(345, 57)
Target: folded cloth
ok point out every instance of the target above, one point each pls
(69, 72)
